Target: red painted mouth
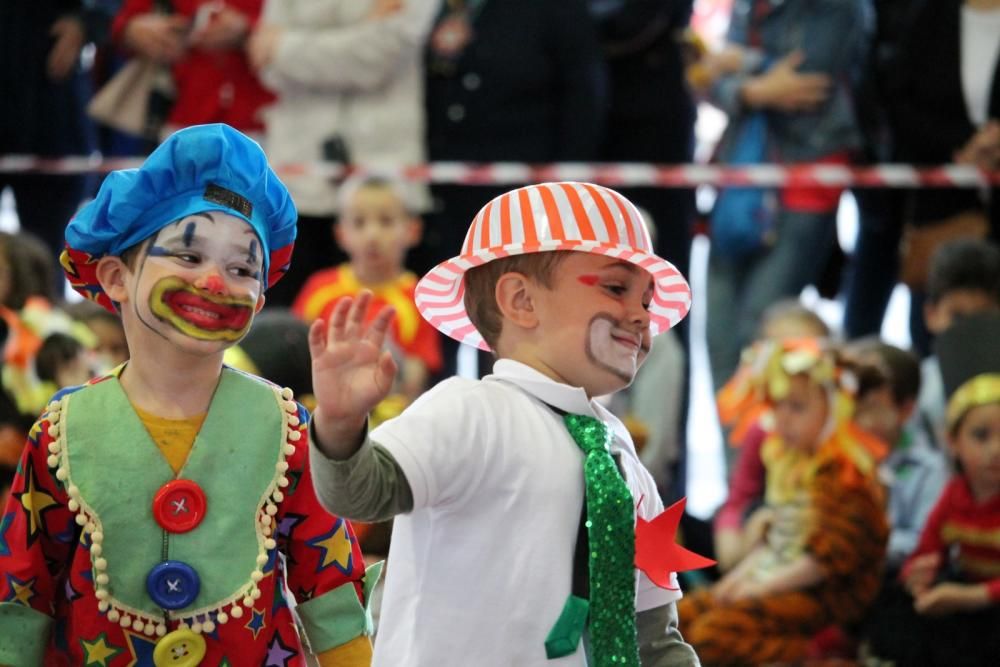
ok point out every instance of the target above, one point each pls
(206, 314)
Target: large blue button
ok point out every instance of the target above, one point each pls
(173, 584)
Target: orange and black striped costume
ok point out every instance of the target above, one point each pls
(828, 505)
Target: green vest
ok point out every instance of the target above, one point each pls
(118, 469)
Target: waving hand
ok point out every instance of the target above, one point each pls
(351, 372)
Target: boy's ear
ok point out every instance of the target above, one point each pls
(337, 234)
(414, 231)
(951, 444)
(111, 272)
(514, 294)
(260, 304)
(906, 409)
(933, 318)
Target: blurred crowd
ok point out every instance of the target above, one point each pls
(863, 516)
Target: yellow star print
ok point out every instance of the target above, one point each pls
(35, 501)
(23, 591)
(336, 548)
(98, 652)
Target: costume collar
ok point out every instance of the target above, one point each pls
(557, 394)
(912, 448)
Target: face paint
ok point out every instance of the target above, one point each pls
(613, 348)
(252, 255)
(199, 314)
(589, 279)
(189, 230)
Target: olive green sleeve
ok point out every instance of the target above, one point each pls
(660, 641)
(370, 486)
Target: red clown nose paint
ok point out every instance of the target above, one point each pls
(214, 284)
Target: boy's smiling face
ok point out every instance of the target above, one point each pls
(594, 324)
(197, 282)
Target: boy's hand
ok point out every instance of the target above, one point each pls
(786, 89)
(158, 37)
(921, 573)
(263, 44)
(983, 148)
(351, 372)
(69, 39)
(222, 28)
(755, 530)
(383, 8)
(741, 589)
(951, 598)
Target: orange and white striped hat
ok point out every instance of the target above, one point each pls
(544, 217)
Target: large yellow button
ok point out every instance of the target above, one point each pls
(180, 648)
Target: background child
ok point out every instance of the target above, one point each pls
(914, 471)
(820, 561)
(62, 361)
(963, 279)
(738, 526)
(110, 348)
(188, 510)
(376, 227)
(488, 475)
(950, 610)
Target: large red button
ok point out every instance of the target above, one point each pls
(179, 505)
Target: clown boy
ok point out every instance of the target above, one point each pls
(160, 512)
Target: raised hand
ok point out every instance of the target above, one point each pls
(351, 372)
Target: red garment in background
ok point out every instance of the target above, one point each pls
(414, 335)
(212, 86)
(746, 485)
(962, 528)
(807, 199)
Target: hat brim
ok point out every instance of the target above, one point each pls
(439, 294)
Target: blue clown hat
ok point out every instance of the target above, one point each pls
(196, 170)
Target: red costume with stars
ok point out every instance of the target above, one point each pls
(46, 564)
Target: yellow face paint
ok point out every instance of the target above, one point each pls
(198, 314)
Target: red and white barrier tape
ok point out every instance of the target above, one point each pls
(610, 174)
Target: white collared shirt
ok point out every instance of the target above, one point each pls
(479, 571)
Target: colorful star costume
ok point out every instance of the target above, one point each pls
(123, 544)
(80, 539)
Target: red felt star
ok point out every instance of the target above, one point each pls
(656, 550)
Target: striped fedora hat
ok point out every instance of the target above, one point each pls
(543, 217)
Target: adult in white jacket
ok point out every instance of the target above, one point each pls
(349, 79)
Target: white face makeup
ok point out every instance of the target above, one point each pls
(200, 277)
(614, 349)
(595, 322)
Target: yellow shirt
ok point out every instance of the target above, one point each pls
(174, 437)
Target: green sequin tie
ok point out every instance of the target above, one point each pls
(611, 533)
